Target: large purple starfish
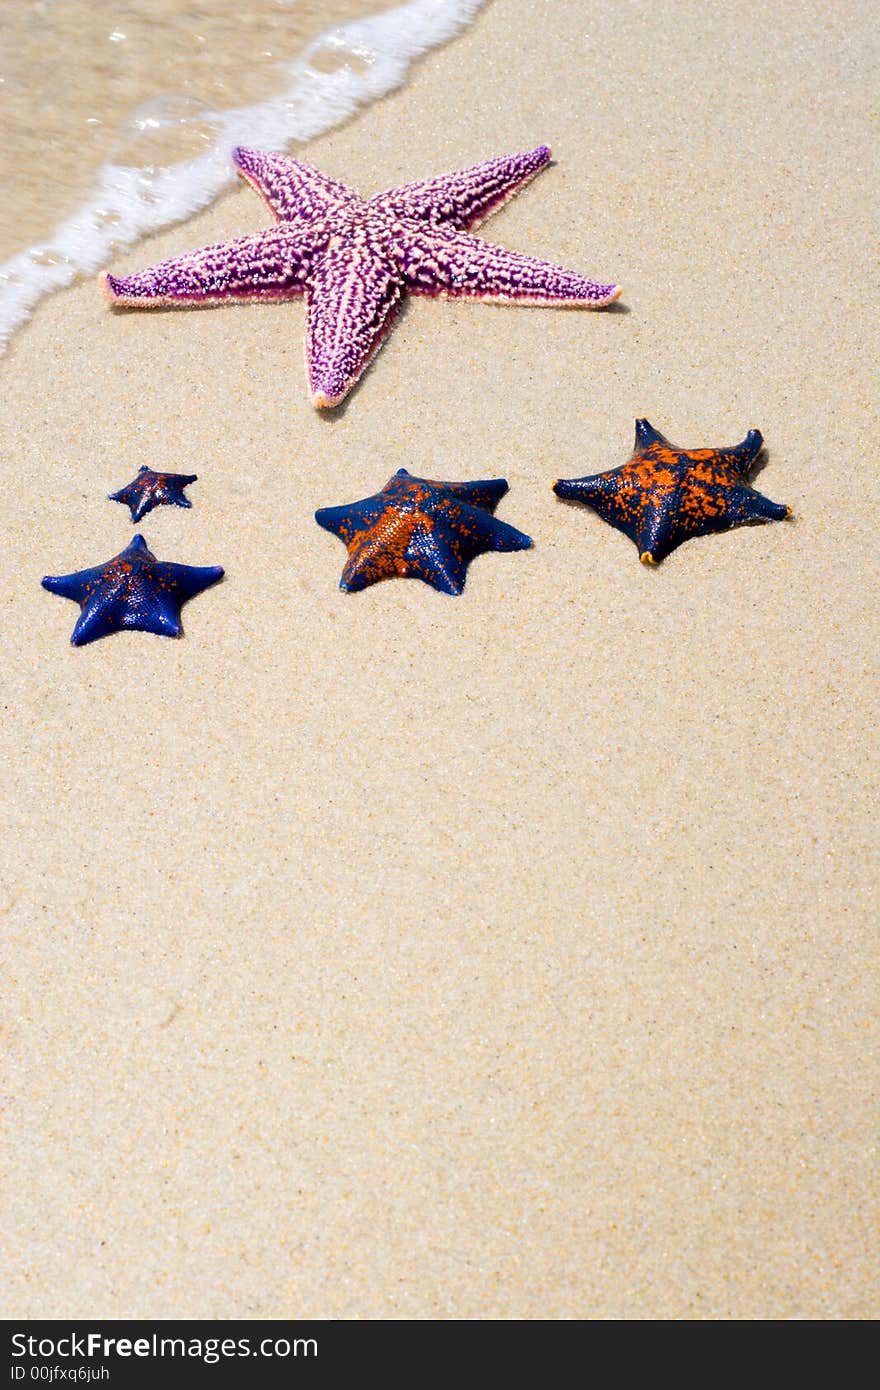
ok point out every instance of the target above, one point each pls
(355, 259)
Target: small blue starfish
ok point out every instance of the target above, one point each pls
(133, 590)
(420, 529)
(149, 490)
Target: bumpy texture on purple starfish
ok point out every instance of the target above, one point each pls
(419, 529)
(354, 259)
(133, 590)
(665, 495)
(149, 490)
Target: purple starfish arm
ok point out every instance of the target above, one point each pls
(462, 200)
(353, 298)
(455, 265)
(268, 265)
(292, 190)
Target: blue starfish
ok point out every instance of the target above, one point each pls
(666, 495)
(149, 490)
(420, 529)
(133, 590)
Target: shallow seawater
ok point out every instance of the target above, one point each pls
(137, 82)
(120, 118)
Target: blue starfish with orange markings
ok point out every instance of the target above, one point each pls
(666, 495)
(133, 590)
(149, 490)
(420, 529)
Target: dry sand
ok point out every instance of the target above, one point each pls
(509, 956)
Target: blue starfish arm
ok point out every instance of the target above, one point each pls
(162, 617)
(72, 586)
(129, 495)
(600, 491)
(370, 564)
(573, 489)
(92, 623)
(656, 532)
(148, 613)
(471, 531)
(584, 489)
(460, 533)
(646, 435)
(486, 493)
(344, 521)
(139, 508)
(431, 559)
(742, 456)
(754, 506)
(291, 190)
(182, 582)
(338, 520)
(465, 198)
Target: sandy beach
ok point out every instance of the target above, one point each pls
(392, 955)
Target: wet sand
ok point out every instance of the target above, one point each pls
(137, 85)
(510, 956)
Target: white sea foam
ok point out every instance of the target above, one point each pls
(130, 202)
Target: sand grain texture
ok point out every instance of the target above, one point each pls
(400, 956)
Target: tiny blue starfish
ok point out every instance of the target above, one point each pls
(133, 590)
(420, 529)
(149, 490)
